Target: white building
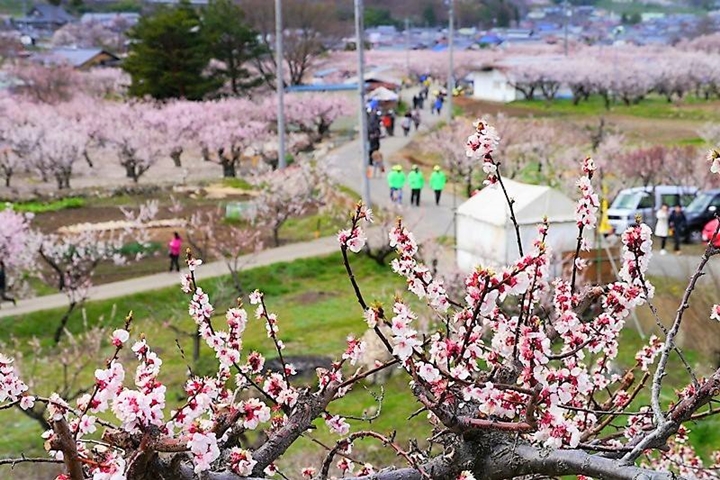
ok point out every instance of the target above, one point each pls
(495, 82)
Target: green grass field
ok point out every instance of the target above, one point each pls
(652, 107)
(638, 7)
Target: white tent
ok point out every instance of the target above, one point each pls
(383, 94)
(485, 233)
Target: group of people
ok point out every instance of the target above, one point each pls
(670, 224)
(396, 179)
(674, 224)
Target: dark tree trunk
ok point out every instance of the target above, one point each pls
(175, 155)
(88, 159)
(63, 322)
(228, 169)
(276, 235)
(235, 276)
(130, 171)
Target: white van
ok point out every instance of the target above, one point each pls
(645, 201)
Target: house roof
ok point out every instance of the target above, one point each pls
(44, 13)
(103, 18)
(532, 203)
(77, 57)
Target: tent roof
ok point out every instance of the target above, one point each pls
(532, 203)
(383, 94)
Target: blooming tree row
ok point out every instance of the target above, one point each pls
(48, 140)
(510, 388)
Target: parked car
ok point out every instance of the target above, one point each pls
(700, 212)
(645, 201)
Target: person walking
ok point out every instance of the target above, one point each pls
(378, 163)
(3, 285)
(678, 225)
(397, 182)
(174, 248)
(662, 227)
(415, 115)
(437, 182)
(416, 181)
(406, 123)
(438, 104)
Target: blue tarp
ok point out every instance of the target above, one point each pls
(322, 87)
(490, 39)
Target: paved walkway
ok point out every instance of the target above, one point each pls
(346, 167)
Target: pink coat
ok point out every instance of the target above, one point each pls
(175, 245)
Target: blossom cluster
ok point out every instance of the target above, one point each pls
(354, 238)
(587, 206)
(419, 278)
(480, 146)
(11, 387)
(637, 251)
(713, 157)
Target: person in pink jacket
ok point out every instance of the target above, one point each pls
(174, 248)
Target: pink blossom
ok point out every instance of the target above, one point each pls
(254, 412)
(371, 317)
(337, 424)
(713, 157)
(256, 297)
(715, 313)
(119, 337)
(241, 461)
(204, 449)
(354, 351)
(428, 373)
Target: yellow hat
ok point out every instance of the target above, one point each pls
(436, 168)
(397, 167)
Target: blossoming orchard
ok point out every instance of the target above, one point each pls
(508, 388)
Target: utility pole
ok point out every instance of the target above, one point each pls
(451, 66)
(407, 47)
(566, 19)
(360, 47)
(282, 163)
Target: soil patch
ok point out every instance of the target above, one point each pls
(313, 297)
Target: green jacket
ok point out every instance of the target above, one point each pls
(416, 179)
(396, 179)
(437, 180)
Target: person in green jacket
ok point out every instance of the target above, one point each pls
(396, 182)
(416, 181)
(437, 182)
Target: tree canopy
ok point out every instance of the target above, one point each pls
(168, 56)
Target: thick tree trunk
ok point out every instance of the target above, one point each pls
(130, 171)
(175, 155)
(228, 169)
